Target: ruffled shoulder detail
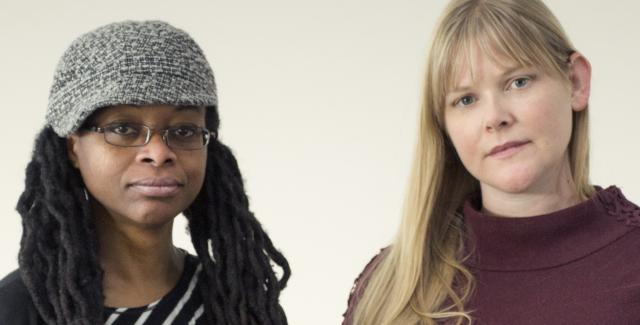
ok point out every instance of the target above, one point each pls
(617, 205)
(359, 286)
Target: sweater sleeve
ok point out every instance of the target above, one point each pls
(16, 307)
(360, 285)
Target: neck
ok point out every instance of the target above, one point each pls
(140, 264)
(555, 193)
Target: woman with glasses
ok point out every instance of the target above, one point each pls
(130, 143)
(501, 224)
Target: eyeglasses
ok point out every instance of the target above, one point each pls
(182, 137)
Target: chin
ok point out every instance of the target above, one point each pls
(516, 182)
(152, 219)
(513, 187)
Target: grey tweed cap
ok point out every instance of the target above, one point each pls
(137, 63)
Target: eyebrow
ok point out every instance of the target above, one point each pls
(507, 72)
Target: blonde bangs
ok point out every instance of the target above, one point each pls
(503, 35)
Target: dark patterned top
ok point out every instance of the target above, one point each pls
(182, 305)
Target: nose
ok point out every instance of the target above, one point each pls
(156, 152)
(498, 115)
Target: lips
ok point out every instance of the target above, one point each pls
(506, 147)
(157, 186)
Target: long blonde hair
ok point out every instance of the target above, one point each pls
(422, 278)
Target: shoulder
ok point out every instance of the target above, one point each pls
(15, 302)
(617, 205)
(360, 285)
(13, 292)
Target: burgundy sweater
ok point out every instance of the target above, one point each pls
(580, 265)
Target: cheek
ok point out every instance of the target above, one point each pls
(98, 158)
(195, 167)
(464, 139)
(99, 168)
(553, 121)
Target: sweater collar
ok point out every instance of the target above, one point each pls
(544, 241)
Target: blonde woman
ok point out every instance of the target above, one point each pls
(501, 225)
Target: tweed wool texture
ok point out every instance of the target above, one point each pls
(130, 62)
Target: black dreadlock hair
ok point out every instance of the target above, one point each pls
(59, 249)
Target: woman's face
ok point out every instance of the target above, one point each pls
(511, 125)
(144, 186)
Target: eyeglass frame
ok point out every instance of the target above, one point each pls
(208, 134)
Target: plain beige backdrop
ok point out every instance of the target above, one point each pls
(319, 101)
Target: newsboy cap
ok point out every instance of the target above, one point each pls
(130, 62)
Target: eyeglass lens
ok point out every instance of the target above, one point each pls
(188, 137)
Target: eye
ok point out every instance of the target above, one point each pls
(464, 101)
(519, 83)
(183, 131)
(123, 129)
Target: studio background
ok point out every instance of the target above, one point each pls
(319, 101)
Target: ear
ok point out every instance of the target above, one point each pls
(580, 78)
(72, 149)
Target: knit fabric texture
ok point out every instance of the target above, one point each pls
(135, 63)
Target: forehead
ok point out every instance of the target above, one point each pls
(477, 62)
(147, 112)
